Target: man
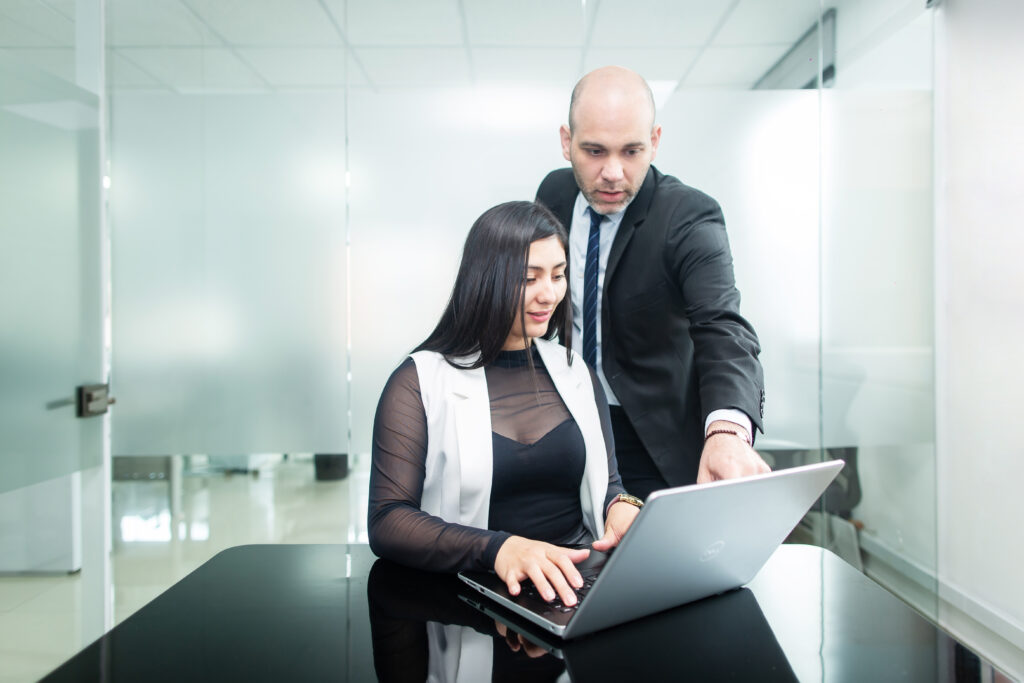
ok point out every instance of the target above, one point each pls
(661, 323)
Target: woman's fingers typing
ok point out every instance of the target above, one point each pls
(552, 569)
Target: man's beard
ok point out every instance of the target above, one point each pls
(592, 200)
(620, 206)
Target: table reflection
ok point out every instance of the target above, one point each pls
(336, 613)
(421, 630)
(431, 627)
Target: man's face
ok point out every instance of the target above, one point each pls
(610, 149)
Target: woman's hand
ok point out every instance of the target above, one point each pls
(551, 568)
(620, 518)
(517, 642)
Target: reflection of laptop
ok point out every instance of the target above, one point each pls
(721, 638)
(687, 543)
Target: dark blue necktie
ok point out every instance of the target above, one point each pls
(590, 292)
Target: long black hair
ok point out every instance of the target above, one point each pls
(490, 286)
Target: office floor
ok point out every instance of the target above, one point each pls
(160, 535)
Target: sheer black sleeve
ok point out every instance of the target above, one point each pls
(614, 480)
(398, 529)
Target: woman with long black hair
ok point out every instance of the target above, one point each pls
(492, 444)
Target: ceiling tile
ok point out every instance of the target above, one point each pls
(154, 23)
(269, 23)
(550, 23)
(195, 68)
(58, 61)
(544, 65)
(734, 67)
(30, 23)
(662, 64)
(415, 66)
(656, 23)
(63, 114)
(759, 22)
(404, 22)
(123, 73)
(65, 7)
(303, 67)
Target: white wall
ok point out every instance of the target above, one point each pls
(980, 319)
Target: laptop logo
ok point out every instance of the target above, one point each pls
(712, 551)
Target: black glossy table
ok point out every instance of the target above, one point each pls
(335, 613)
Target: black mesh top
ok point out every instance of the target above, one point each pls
(539, 457)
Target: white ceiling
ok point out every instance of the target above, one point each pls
(271, 45)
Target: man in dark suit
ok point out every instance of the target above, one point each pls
(655, 306)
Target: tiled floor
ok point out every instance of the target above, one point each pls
(157, 541)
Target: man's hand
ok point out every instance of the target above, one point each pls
(620, 517)
(551, 568)
(727, 456)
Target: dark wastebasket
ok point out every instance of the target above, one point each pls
(330, 466)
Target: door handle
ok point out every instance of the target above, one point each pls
(93, 399)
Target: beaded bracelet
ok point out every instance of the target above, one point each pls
(741, 435)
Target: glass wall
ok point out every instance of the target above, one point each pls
(228, 230)
(811, 124)
(877, 336)
(53, 465)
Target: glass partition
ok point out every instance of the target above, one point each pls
(53, 564)
(469, 138)
(228, 230)
(49, 342)
(810, 123)
(425, 162)
(877, 336)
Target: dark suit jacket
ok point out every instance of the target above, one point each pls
(673, 344)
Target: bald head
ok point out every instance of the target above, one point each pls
(612, 88)
(611, 138)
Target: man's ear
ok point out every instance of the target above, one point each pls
(566, 141)
(655, 139)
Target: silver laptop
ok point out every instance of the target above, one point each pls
(687, 543)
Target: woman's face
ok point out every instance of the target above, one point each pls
(545, 289)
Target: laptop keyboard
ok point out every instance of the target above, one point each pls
(589, 577)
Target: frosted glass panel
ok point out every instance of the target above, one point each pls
(756, 152)
(227, 219)
(460, 160)
(49, 277)
(877, 332)
(425, 163)
(878, 397)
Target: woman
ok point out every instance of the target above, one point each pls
(492, 445)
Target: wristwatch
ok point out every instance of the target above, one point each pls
(632, 500)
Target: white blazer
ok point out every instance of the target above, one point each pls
(457, 484)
